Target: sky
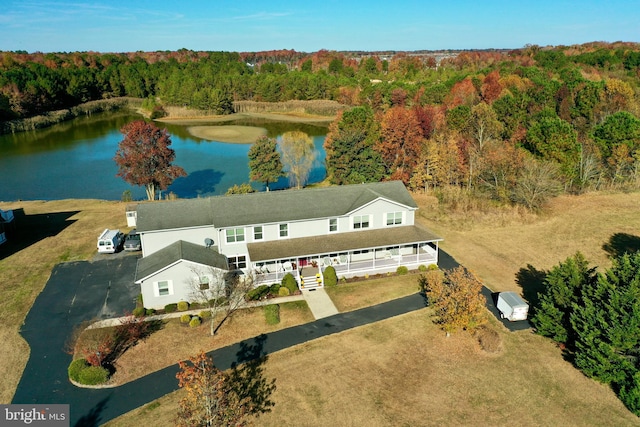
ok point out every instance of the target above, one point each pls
(308, 26)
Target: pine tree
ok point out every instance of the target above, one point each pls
(264, 161)
(563, 286)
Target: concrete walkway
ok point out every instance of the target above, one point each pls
(319, 303)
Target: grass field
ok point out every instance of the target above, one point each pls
(402, 371)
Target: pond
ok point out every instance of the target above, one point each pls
(74, 159)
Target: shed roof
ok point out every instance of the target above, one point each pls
(268, 207)
(341, 242)
(177, 251)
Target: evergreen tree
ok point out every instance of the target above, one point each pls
(563, 286)
(606, 322)
(351, 157)
(264, 161)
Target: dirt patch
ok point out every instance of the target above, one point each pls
(231, 134)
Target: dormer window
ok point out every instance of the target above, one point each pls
(360, 221)
(394, 218)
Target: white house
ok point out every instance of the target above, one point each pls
(358, 229)
(170, 274)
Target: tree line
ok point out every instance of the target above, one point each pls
(514, 126)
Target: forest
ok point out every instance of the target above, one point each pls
(514, 126)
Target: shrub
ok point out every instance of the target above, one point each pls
(170, 308)
(433, 267)
(93, 375)
(422, 268)
(257, 293)
(126, 196)
(489, 339)
(139, 301)
(150, 312)
(289, 282)
(275, 288)
(139, 312)
(330, 276)
(76, 367)
(402, 270)
(183, 306)
(272, 314)
(205, 314)
(284, 292)
(195, 322)
(185, 318)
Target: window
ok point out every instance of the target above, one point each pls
(235, 235)
(204, 283)
(163, 288)
(237, 262)
(257, 232)
(394, 218)
(361, 221)
(333, 225)
(284, 230)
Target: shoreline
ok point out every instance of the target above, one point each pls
(176, 115)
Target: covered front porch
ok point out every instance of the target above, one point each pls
(348, 253)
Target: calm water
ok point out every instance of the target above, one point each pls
(75, 160)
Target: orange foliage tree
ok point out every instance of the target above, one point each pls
(455, 296)
(400, 139)
(144, 157)
(225, 398)
(210, 398)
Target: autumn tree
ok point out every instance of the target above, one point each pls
(298, 156)
(264, 161)
(456, 298)
(462, 93)
(349, 146)
(144, 157)
(210, 398)
(399, 145)
(497, 169)
(483, 127)
(491, 87)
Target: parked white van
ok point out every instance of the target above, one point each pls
(110, 241)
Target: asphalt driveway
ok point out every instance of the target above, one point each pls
(76, 292)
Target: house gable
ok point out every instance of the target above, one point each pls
(173, 254)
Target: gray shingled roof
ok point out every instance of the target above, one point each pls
(177, 251)
(290, 248)
(268, 207)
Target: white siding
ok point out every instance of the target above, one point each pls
(180, 276)
(377, 211)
